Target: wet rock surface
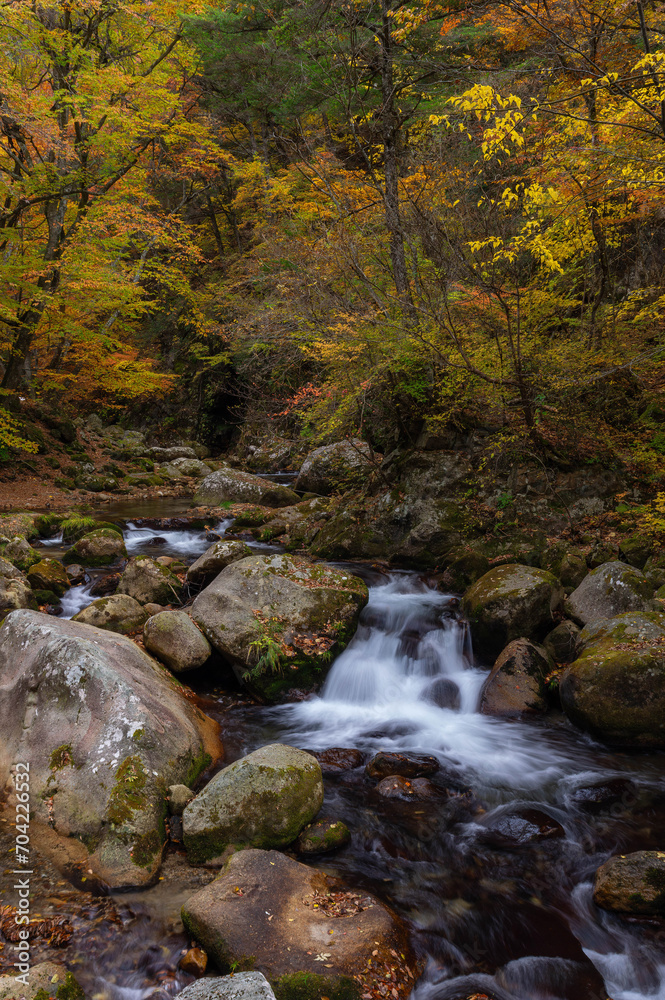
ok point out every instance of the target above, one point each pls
(632, 883)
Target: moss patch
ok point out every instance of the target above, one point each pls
(128, 792)
(309, 986)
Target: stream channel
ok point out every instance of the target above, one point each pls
(493, 872)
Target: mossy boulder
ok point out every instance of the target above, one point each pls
(265, 911)
(109, 731)
(263, 800)
(15, 591)
(567, 564)
(49, 574)
(100, 547)
(242, 487)
(310, 986)
(46, 981)
(615, 689)
(191, 467)
(220, 555)
(465, 566)
(561, 642)
(337, 466)
(632, 884)
(149, 582)
(20, 552)
(517, 683)
(175, 640)
(279, 620)
(607, 591)
(323, 836)
(117, 613)
(511, 602)
(635, 550)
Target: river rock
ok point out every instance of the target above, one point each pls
(105, 585)
(173, 453)
(520, 826)
(174, 639)
(262, 800)
(336, 466)
(635, 550)
(607, 591)
(397, 787)
(385, 764)
(105, 729)
(323, 836)
(21, 553)
(98, 548)
(632, 883)
(517, 685)
(179, 796)
(561, 642)
(615, 689)
(238, 986)
(511, 602)
(192, 467)
(118, 613)
(278, 619)
(444, 693)
(242, 487)
(49, 574)
(75, 574)
(336, 760)
(263, 906)
(149, 583)
(220, 555)
(48, 979)
(15, 593)
(10, 571)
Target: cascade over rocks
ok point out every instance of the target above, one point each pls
(220, 555)
(106, 731)
(277, 620)
(262, 800)
(242, 487)
(615, 689)
(516, 685)
(235, 927)
(148, 582)
(632, 883)
(511, 602)
(336, 466)
(607, 591)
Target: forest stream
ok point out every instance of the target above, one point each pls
(492, 872)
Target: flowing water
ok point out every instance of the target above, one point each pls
(493, 868)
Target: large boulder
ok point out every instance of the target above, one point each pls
(148, 582)
(274, 912)
(21, 553)
(609, 590)
(173, 453)
(174, 639)
(192, 467)
(263, 800)
(237, 986)
(242, 487)
(632, 883)
(511, 602)
(98, 548)
(117, 613)
(278, 618)
(336, 466)
(615, 689)
(517, 684)
(106, 730)
(220, 555)
(49, 574)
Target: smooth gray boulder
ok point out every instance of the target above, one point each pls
(279, 619)
(220, 555)
(338, 465)
(511, 602)
(239, 986)
(192, 467)
(242, 487)
(263, 800)
(117, 613)
(175, 640)
(10, 571)
(106, 729)
(607, 591)
(148, 582)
